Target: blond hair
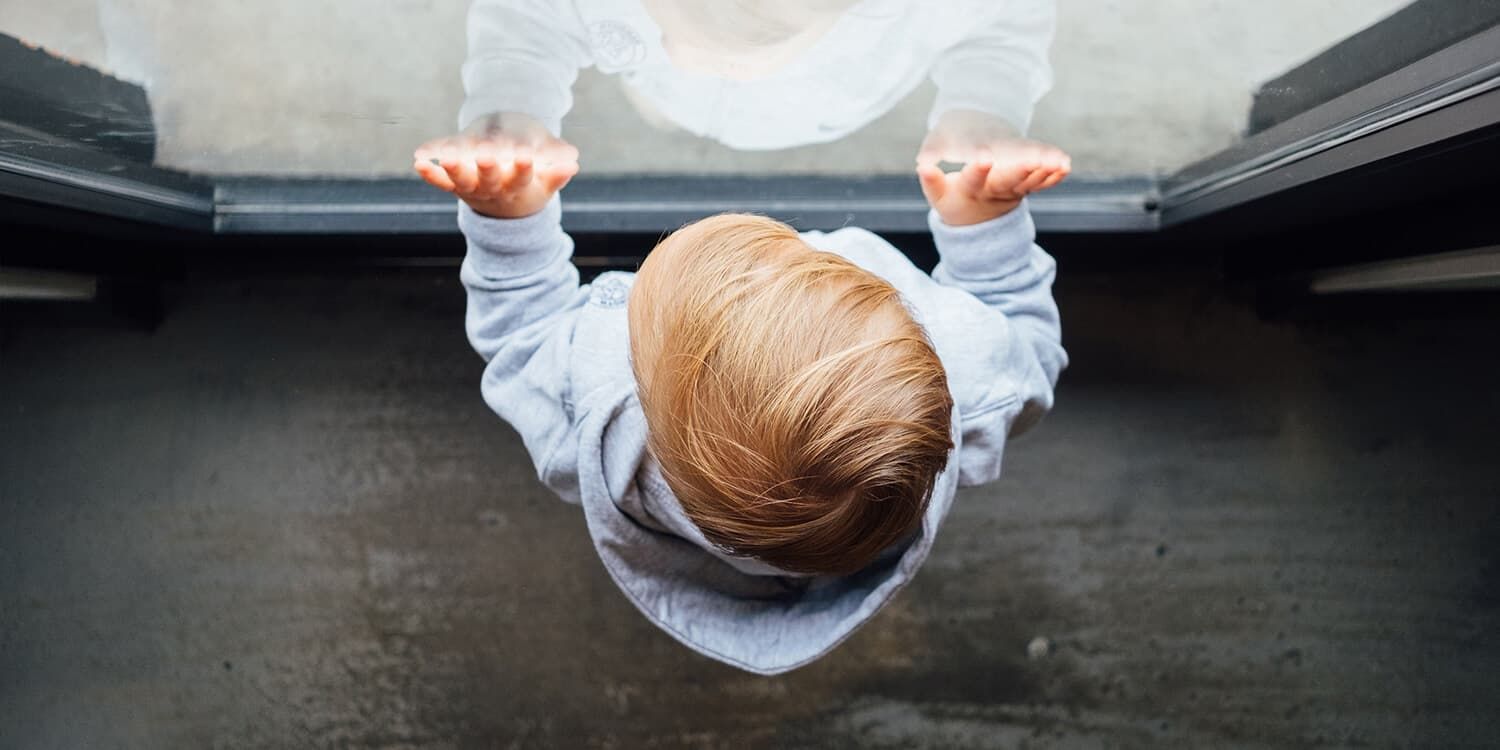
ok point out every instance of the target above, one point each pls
(798, 412)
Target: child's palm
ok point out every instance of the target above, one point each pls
(982, 190)
(507, 172)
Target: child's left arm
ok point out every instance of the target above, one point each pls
(999, 262)
(986, 241)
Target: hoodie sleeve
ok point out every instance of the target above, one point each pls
(523, 303)
(1001, 68)
(999, 263)
(524, 56)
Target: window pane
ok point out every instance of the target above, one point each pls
(348, 88)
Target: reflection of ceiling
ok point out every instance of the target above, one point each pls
(291, 87)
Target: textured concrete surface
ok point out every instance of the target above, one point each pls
(349, 87)
(286, 519)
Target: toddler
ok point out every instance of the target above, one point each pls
(764, 429)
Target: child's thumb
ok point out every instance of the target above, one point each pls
(555, 176)
(934, 182)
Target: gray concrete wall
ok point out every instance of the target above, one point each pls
(286, 519)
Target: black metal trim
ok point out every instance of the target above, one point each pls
(38, 168)
(656, 203)
(1442, 96)
(1422, 28)
(105, 196)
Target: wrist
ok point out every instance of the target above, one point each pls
(504, 210)
(995, 247)
(969, 215)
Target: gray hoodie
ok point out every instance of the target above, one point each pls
(558, 371)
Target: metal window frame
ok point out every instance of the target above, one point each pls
(655, 203)
(39, 168)
(1443, 96)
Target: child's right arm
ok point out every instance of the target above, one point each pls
(523, 292)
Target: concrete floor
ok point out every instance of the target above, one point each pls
(333, 87)
(286, 519)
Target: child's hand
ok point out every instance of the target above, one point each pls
(1000, 168)
(982, 191)
(506, 167)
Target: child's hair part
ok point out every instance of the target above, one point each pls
(798, 411)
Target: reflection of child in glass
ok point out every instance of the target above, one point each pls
(764, 429)
(769, 74)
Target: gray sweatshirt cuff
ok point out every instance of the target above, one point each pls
(986, 250)
(500, 248)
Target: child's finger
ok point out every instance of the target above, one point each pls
(507, 172)
(973, 176)
(1003, 180)
(931, 150)
(1033, 181)
(554, 176)
(490, 174)
(1056, 177)
(521, 176)
(429, 150)
(433, 174)
(934, 182)
(556, 151)
(462, 171)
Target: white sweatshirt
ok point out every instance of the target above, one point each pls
(984, 55)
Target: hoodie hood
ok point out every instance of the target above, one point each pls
(742, 612)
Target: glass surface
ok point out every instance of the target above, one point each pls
(348, 88)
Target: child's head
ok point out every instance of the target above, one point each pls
(798, 412)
